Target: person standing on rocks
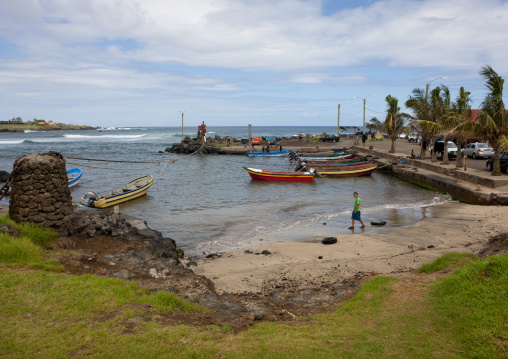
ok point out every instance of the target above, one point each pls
(356, 215)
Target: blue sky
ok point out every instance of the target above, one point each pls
(239, 62)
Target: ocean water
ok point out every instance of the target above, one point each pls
(209, 203)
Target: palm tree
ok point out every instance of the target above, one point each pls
(394, 123)
(462, 115)
(439, 110)
(492, 121)
(445, 120)
(374, 125)
(421, 113)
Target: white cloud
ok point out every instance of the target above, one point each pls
(268, 35)
(254, 50)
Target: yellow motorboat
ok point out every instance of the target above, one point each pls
(134, 189)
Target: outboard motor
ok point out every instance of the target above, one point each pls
(89, 199)
(302, 167)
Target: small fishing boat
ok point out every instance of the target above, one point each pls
(256, 140)
(353, 172)
(271, 153)
(73, 176)
(322, 154)
(134, 189)
(270, 140)
(280, 175)
(319, 167)
(347, 159)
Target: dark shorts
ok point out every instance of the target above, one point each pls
(356, 216)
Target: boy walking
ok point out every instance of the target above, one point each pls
(356, 215)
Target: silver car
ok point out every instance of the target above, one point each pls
(477, 149)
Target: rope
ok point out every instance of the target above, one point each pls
(158, 163)
(114, 161)
(115, 169)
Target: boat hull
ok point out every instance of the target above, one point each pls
(348, 173)
(120, 194)
(279, 176)
(347, 167)
(269, 154)
(73, 176)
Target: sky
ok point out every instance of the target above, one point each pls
(237, 62)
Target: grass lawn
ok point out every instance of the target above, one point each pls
(49, 314)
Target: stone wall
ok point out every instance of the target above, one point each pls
(39, 192)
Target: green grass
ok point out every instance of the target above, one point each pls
(51, 315)
(166, 302)
(27, 248)
(472, 304)
(448, 260)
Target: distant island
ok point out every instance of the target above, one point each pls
(17, 125)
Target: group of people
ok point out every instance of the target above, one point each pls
(266, 149)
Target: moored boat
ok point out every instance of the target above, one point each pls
(321, 154)
(271, 153)
(315, 158)
(73, 176)
(256, 140)
(270, 140)
(319, 167)
(134, 189)
(352, 172)
(280, 175)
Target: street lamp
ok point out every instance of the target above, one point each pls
(182, 122)
(363, 98)
(428, 83)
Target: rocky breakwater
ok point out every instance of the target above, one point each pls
(39, 191)
(120, 246)
(189, 146)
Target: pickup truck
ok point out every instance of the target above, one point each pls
(330, 138)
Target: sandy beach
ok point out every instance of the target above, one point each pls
(452, 227)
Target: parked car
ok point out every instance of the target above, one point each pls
(439, 148)
(329, 138)
(478, 149)
(503, 162)
(413, 137)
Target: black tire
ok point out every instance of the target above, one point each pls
(378, 223)
(329, 240)
(490, 166)
(474, 156)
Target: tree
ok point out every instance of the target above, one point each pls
(461, 115)
(421, 114)
(374, 125)
(394, 123)
(492, 121)
(432, 114)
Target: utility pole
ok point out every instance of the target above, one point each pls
(250, 135)
(338, 122)
(182, 123)
(364, 116)
(372, 94)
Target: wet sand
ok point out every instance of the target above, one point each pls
(401, 246)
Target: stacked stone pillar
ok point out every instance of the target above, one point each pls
(39, 192)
